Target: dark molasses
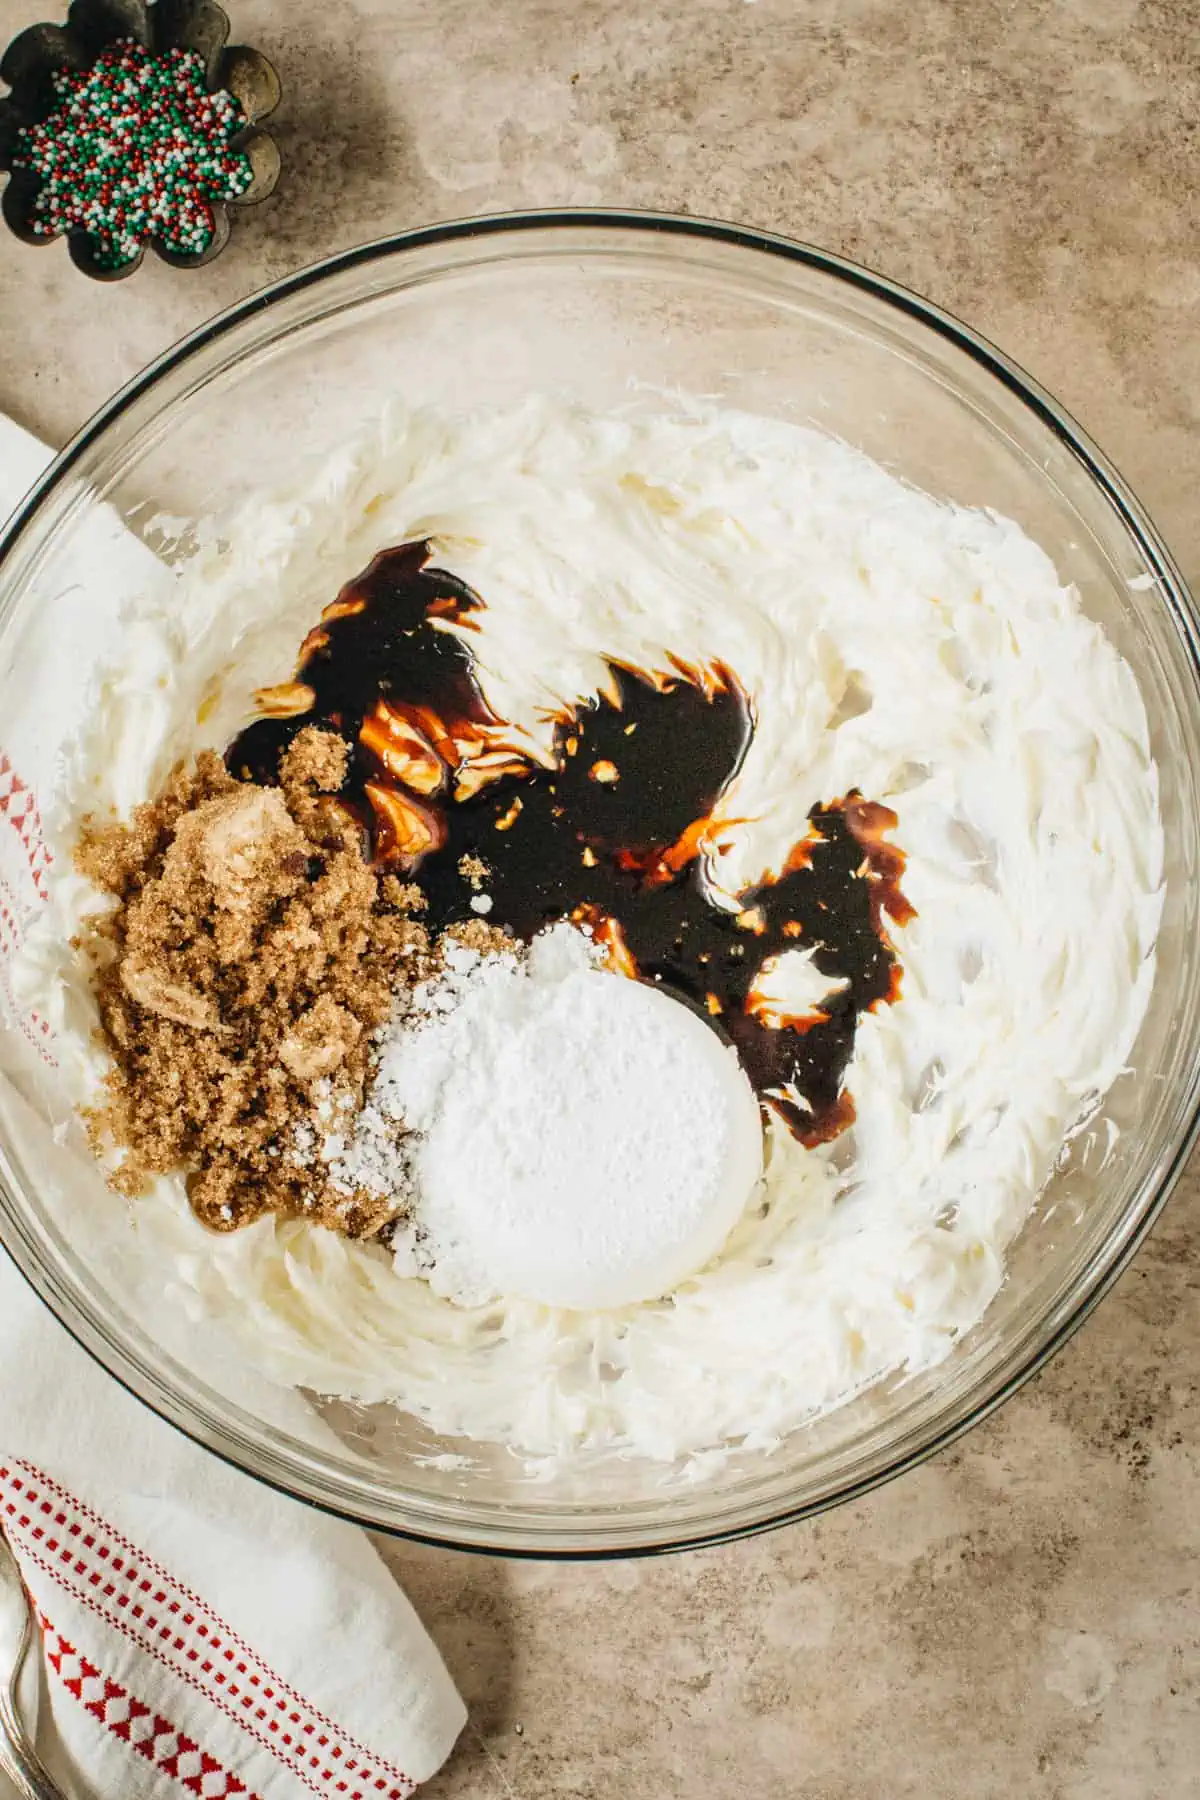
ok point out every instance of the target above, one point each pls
(619, 828)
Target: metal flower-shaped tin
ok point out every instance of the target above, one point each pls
(86, 163)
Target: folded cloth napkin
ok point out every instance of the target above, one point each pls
(201, 1634)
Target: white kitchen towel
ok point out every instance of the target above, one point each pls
(201, 1634)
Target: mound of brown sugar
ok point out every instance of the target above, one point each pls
(251, 955)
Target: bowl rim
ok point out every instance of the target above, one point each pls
(1109, 1264)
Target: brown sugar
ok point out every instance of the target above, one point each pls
(405, 896)
(315, 762)
(472, 868)
(249, 958)
(476, 934)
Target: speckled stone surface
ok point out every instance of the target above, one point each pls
(1022, 1616)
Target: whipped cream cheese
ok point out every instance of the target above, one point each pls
(925, 654)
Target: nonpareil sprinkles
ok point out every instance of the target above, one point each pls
(137, 148)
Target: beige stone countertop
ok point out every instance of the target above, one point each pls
(1021, 1616)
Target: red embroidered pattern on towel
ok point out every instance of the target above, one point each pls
(18, 804)
(24, 861)
(90, 1560)
(142, 1727)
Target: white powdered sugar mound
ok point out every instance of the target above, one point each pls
(577, 1138)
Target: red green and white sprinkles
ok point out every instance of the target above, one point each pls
(136, 148)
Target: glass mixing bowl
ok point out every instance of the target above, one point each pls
(589, 305)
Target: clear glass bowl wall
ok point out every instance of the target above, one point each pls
(607, 309)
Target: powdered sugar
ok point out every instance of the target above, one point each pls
(576, 1138)
(373, 1157)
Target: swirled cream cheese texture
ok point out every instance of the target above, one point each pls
(925, 654)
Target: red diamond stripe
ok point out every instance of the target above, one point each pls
(132, 1569)
(163, 1745)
